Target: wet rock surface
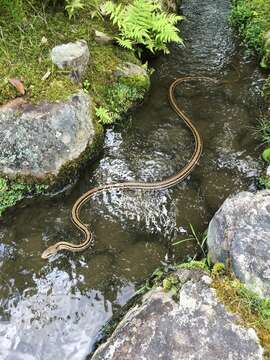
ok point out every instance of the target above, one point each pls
(73, 57)
(196, 326)
(240, 233)
(40, 141)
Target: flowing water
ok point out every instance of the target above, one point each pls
(55, 309)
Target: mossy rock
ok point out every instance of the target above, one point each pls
(48, 142)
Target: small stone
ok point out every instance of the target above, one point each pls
(268, 170)
(129, 69)
(73, 57)
(102, 38)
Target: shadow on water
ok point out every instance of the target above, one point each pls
(55, 309)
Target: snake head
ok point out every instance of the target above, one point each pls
(50, 251)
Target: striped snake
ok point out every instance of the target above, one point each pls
(159, 185)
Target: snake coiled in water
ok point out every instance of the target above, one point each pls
(159, 185)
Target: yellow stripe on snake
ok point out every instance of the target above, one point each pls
(159, 185)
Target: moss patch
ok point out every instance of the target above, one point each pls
(118, 98)
(194, 264)
(252, 20)
(26, 45)
(254, 312)
(11, 192)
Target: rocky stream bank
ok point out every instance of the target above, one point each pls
(217, 308)
(186, 317)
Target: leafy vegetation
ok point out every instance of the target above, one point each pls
(266, 155)
(72, 6)
(199, 240)
(12, 192)
(264, 182)
(41, 25)
(252, 19)
(18, 8)
(264, 129)
(30, 42)
(143, 23)
(254, 311)
(28, 31)
(120, 96)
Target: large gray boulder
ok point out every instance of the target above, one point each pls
(196, 326)
(73, 57)
(239, 234)
(45, 141)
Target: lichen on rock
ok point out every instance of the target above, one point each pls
(40, 142)
(195, 327)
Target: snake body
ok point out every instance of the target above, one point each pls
(159, 185)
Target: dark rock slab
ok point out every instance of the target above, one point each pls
(195, 327)
(240, 233)
(40, 142)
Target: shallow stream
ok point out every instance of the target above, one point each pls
(56, 309)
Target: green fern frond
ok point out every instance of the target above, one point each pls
(72, 6)
(104, 115)
(144, 23)
(125, 43)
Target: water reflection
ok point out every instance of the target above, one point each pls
(54, 320)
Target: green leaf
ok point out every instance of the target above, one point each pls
(182, 241)
(266, 155)
(166, 284)
(104, 115)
